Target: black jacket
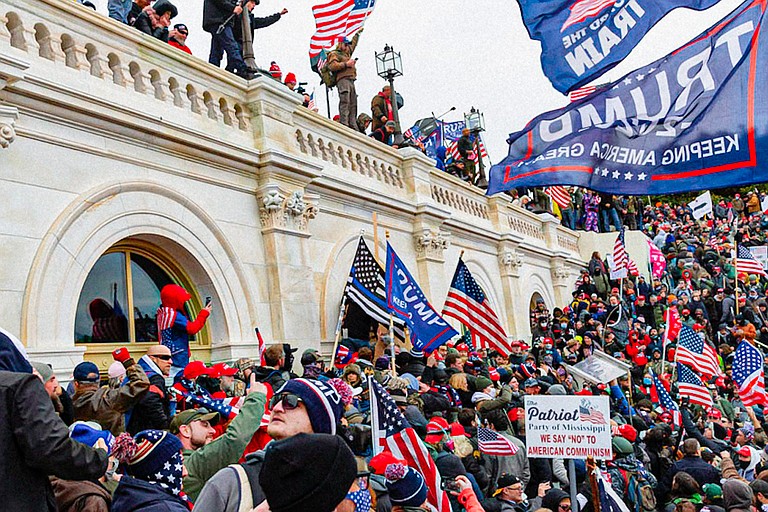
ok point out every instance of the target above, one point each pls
(152, 411)
(264, 22)
(701, 471)
(35, 443)
(215, 12)
(134, 495)
(144, 24)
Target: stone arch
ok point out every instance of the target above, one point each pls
(97, 220)
(535, 284)
(335, 275)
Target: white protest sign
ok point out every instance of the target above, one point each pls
(760, 253)
(570, 427)
(701, 206)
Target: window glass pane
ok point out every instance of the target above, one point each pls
(148, 279)
(100, 315)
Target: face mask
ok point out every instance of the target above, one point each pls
(492, 392)
(548, 360)
(450, 445)
(362, 500)
(647, 381)
(744, 464)
(563, 326)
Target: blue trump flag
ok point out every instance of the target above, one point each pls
(696, 119)
(582, 39)
(406, 300)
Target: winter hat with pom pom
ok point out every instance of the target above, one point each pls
(406, 485)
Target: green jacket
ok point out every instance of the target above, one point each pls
(227, 449)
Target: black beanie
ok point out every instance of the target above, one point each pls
(307, 473)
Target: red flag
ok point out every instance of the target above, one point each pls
(674, 324)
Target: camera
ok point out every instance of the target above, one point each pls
(449, 484)
(300, 88)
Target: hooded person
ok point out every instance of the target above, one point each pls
(153, 410)
(317, 487)
(737, 496)
(154, 472)
(173, 326)
(554, 499)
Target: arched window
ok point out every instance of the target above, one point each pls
(120, 297)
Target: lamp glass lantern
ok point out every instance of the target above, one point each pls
(474, 121)
(388, 63)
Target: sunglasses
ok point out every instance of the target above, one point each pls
(164, 357)
(564, 507)
(289, 401)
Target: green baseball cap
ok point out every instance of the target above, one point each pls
(190, 415)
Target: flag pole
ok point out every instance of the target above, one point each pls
(664, 342)
(337, 334)
(591, 468)
(328, 100)
(376, 237)
(391, 329)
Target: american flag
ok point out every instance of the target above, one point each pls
(492, 443)
(693, 351)
(165, 318)
(452, 150)
(632, 267)
(658, 261)
(467, 303)
(660, 396)
(674, 324)
(365, 287)
(609, 500)
(748, 374)
(581, 93)
(620, 256)
(689, 384)
(747, 263)
(337, 19)
(392, 432)
(559, 195)
(714, 238)
(311, 105)
(583, 9)
(228, 408)
(591, 415)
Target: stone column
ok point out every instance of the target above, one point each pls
(11, 71)
(560, 274)
(510, 262)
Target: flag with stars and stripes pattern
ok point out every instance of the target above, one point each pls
(748, 374)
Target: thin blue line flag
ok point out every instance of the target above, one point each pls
(406, 300)
(696, 119)
(582, 39)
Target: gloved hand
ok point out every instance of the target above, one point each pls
(121, 355)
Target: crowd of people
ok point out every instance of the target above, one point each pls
(166, 433)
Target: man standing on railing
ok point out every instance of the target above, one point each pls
(343, 66)
(219, 17)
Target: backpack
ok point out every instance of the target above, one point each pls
(639, 492)
(327, 76)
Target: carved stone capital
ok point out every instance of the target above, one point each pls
(8, 117)
(291, 212)
(431, 244)
(560, 275)
(510, 261)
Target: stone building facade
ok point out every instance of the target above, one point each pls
(125, 165)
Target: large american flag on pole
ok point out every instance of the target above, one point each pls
(492, 443)
(467, 303)
(689, 384)
(365, 287)
(620, 257)
(693, 351)
(748, 374)
(337, 19)
(746, 262)
(392, 432)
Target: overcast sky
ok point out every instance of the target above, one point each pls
(455, 53)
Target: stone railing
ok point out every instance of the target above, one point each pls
(459, 196)
(59, 37)
(95, 65)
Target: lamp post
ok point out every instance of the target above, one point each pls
(475, 123)
(389, 65)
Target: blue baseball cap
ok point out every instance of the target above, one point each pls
(86, 372)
